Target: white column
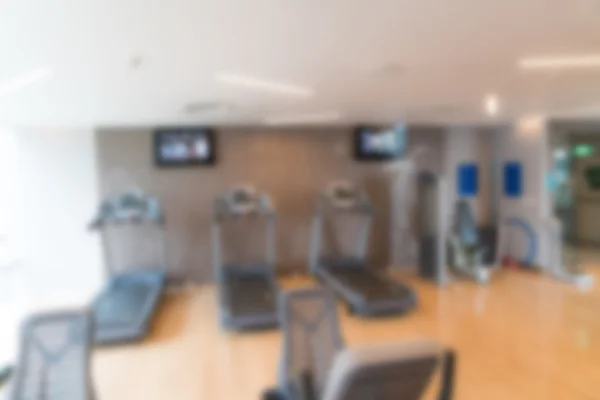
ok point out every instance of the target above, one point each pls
(526, 142)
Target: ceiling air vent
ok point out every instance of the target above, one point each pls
(207, 107)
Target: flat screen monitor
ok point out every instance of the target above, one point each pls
(376, 144)
(184, 147)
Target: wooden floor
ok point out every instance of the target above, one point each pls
(524, 336)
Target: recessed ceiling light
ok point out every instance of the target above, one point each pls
(299, 119)
(560, 62)
(263, 85)
(26, 79)
(531, 124)
(491, 104)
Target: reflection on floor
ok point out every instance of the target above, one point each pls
(524, 336)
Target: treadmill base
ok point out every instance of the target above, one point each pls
(124, 311)
(248, 298)
(368, 294)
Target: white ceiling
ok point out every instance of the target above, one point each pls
(371, 60)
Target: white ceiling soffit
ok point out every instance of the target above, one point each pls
(144, 62)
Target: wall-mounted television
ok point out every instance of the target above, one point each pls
(377, 144)
(180, 147)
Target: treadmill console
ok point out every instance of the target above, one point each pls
(243, 200)
(344, 195)
(128, 207)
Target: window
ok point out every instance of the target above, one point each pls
(9, 225)
(9, 196)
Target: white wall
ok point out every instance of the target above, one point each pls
(461, 147)
(470, 144)
(62, 261)
(526, 142)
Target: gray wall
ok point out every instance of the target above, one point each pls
(293, 165)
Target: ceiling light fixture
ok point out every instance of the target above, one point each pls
(491, 104)
(299, 119)
(531, 125)
(26, 79)
(263, 85)
(560, 62)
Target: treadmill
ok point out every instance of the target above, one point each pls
(132, 227)
(365, 291)
(247, 290)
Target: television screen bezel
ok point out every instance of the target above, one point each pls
(360, 155)
(208, 162)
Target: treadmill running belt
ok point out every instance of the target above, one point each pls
(251, 295)
(373, 287)
(122, 304)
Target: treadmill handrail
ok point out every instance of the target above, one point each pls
(221, 214)
(256, 205)
(316, 242)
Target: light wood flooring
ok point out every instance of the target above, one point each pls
(525, 336)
